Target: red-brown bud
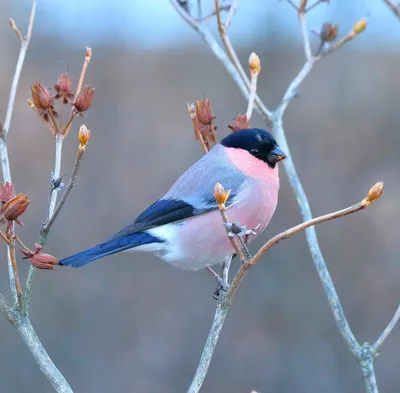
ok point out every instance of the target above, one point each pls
(41, 96)
(7, 192)
(375, 192)
(84, 99)
(241, 122)
(204, 112)
(328, 32)
(63, 88)
(40, 260)
(83, 135)
(15, 207)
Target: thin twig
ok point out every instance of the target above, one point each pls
(223, 305)
(304, 225)
(309, 8)
(231, 13)
(22, 323)
(16, 275)
(4, 237)
(18, 69)
(255, 67)
(59, 139)
(5, 308)
(56, 173)
(226, 265)
(197, 132)
(394, 7)
(88, 56)
(224, 216)
(47, 226)
(293, 5)
(378, 344)
(14, 26)
(5, 162)
(53, 120)
(220, 54)
(230, 51)
(211, 14)
(306, 36)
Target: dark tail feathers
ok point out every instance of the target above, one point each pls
(109, 247)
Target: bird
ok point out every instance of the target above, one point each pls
(184, 227)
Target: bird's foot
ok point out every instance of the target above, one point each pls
(222, 285)
(241, 231)
(243, 234)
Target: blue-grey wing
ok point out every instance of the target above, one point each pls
(192, 194)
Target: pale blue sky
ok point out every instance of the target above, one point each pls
(153, 24)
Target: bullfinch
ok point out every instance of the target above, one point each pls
(184, 227)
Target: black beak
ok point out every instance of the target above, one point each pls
(278, 154)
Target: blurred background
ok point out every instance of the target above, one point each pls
(133, 323)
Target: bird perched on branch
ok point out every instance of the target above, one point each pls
(184, 227)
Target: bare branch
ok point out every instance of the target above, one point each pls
(88, 56)
(378, 344)
(5, 162)
(208, 38)
(223, 305)
(211, 14)
(208, 351)
(198, 134)
(255, 68)
(22, 53)
(274, 119)
(59, 138)
(15, 28)
(231, 13)
(16, 275)
(21, 322)
(394, 7)
(47, 226)
(306, 36)
(46, 365)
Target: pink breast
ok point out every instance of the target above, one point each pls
(204, 237)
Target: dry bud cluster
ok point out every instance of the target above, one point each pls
(39, 259)
(12, 206)
(43, 102)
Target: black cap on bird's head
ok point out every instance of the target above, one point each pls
(259, 143)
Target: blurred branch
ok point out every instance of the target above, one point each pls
(224, 303)
(394, 7)
(306, 36)
(255, 68)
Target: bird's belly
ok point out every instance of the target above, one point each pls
(202, 240)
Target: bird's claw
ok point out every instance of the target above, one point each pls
(235, 229)
(222, 286)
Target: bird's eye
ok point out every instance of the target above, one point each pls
(255, 152)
